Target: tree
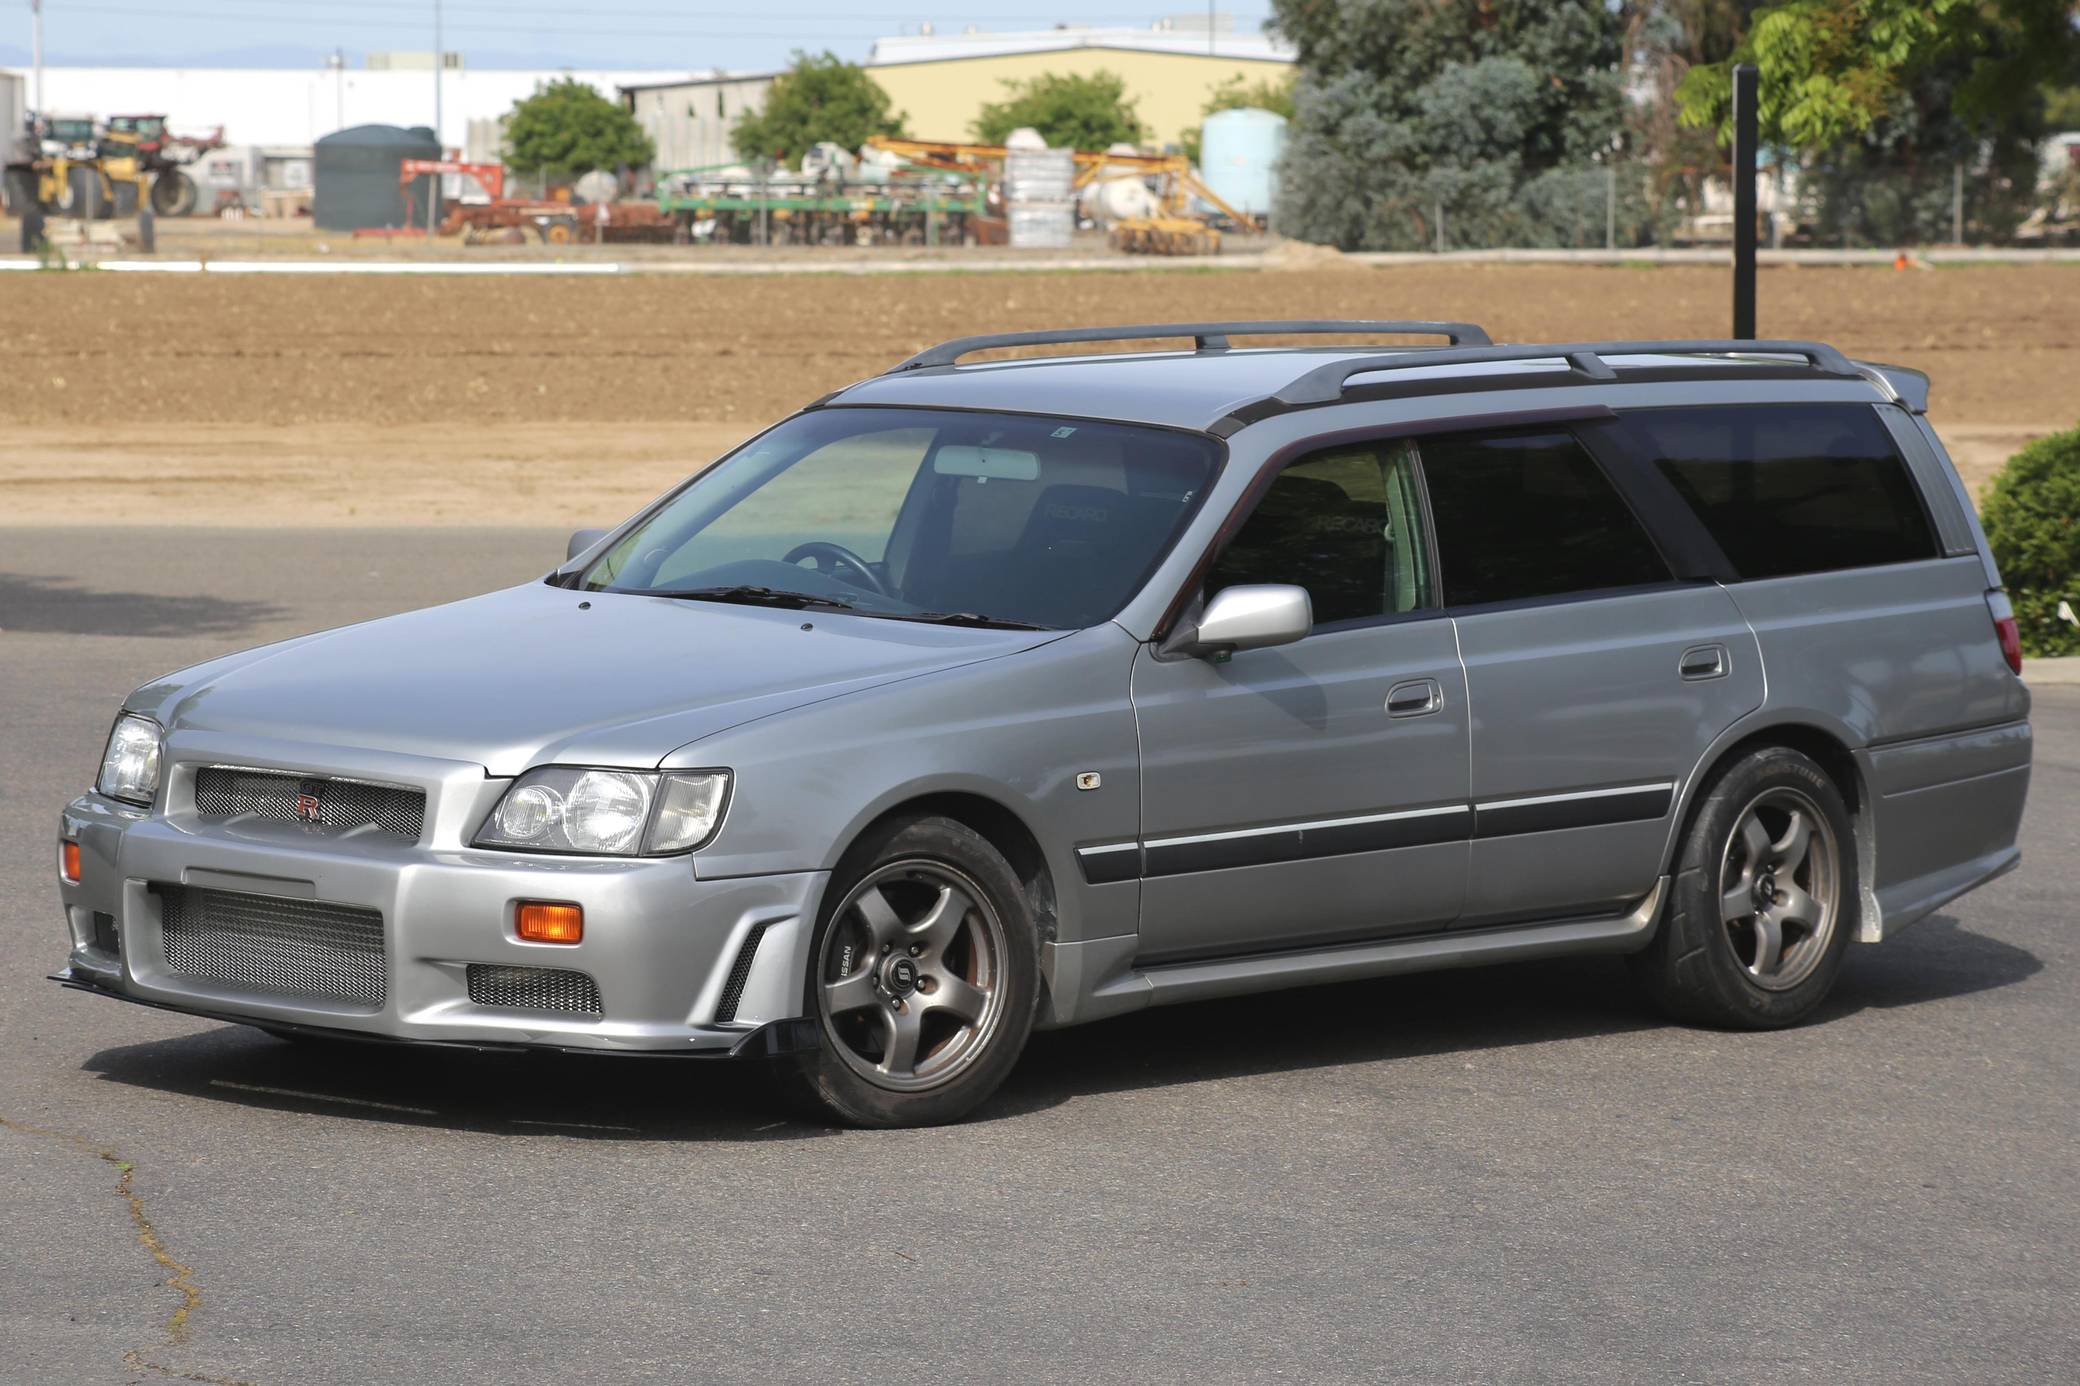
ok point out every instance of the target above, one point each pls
(820, 98)
(568, 127)
(1831, 70)
(1405, 110)
(1069, 110)
(1274, 94)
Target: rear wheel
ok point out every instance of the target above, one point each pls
(173, 194)
(83, 193)
(924, 978)
(1764, 900)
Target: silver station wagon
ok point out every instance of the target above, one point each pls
(988, 695)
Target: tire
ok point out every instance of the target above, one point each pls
(125, 200)
(1771, 827)
(924, 977)
(174, 193)
(81, 195)
(18, 191)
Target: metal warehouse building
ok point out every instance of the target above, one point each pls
(940, 82)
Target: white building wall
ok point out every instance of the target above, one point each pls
(14, 105)
(690, 122)
(296, 106)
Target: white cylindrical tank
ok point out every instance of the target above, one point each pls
(1117, 195)
(1238, 155)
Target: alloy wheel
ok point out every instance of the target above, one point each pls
(910, 975)
(1779, 888)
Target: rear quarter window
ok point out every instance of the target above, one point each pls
(1791, 489)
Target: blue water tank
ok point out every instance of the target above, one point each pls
(1238, 151)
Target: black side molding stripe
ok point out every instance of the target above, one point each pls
(1109, 863)
(1544, 814)
(1305, 841)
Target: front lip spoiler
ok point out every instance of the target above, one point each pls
(772, 1040)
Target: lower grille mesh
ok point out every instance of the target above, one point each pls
(270, 944)
(533, 988)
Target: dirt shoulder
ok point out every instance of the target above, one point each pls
(341, 401)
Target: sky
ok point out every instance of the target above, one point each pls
(651, 34)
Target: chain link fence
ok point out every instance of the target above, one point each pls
(1620, 205)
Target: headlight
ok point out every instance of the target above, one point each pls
(617, 813)
(130, 765)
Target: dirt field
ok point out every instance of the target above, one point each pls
(323, 400)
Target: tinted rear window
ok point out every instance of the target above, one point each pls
(1530, 516)
(1790, 489)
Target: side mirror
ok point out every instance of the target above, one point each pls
(582, 540)
(1246, 618)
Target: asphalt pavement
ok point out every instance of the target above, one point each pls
(1515, 1174)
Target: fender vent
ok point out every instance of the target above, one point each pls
(733, 989)
(534, 989)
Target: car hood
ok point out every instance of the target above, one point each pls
(540, 674)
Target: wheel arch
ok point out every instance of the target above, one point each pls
(999, 825)
(1828, 746)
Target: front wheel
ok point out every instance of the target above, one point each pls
(924, 977)
(1765, 898)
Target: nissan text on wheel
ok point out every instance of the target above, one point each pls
(983, 696)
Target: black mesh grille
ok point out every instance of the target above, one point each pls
(733, 988)
(271, 944)
(229, 791)
(533, 988)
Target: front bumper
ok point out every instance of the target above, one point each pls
(659, 943)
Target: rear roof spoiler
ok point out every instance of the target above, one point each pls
(1907, 386)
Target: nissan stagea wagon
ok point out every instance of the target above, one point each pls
(983, 696)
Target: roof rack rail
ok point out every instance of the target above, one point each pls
(1210, 336)
(1325, 384)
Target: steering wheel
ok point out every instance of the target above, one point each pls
(831, 556)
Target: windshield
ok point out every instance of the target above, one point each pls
(924, 514)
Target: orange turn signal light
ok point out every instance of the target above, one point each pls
(539, 921)
(68, 862)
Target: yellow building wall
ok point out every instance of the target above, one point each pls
(941, 99)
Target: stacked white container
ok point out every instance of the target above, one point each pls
(1039, 191)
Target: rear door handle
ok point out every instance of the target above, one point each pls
(1704, 662)
(1414, 698)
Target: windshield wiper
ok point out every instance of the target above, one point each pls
(965, 618)
(756, 596)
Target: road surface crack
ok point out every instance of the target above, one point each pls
(180, 1277)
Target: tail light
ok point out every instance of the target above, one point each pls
(2005, 630)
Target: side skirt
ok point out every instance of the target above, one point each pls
(1196, 981)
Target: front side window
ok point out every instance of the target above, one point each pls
(1789, 489)
(1524, 516)
(1347, 525)
(922, 514)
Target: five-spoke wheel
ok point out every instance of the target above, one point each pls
(1762, 899)
(909, 973)
(1777, 888)
(924, 975)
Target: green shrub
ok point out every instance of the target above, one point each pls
(2032, 518)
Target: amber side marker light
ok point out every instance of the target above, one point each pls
(68, 862)
(538, 921)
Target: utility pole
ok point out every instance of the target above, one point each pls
(36, 42)
(440, 61)
(1745, 127)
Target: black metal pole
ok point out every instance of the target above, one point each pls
(1744, 127)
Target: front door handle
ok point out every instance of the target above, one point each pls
(1414, 698)
(1704, 662)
